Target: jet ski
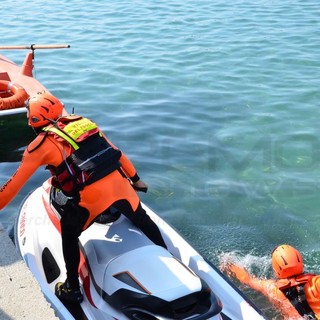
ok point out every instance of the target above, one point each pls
(123, 274)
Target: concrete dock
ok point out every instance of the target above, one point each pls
(20, 294)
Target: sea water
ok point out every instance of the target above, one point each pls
(215, 102)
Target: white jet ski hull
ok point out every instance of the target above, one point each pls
(120, 266)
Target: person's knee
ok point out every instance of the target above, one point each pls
(140, 217)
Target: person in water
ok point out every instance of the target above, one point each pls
(89, 173)
(295, 293)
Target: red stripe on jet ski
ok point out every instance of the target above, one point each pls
(51, 214)
(84, 275)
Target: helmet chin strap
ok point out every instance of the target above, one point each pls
(37, 130)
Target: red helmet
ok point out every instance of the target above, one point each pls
(43, 108)
(286, 261)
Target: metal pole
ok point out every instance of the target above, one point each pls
(36, 46)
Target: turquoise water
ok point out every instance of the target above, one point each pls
(216, 103)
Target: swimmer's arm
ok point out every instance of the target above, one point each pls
(244, 277)
(267, 287)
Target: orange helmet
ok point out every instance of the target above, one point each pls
(43, 108)
(286, 261)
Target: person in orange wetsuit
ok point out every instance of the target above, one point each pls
(295, 293)
(89, 173)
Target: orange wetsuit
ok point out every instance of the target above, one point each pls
(95, 197)
(274, 290)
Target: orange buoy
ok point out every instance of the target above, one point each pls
(12, 95)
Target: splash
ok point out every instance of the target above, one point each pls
(258, 266)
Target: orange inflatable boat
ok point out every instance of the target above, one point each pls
(17, 83)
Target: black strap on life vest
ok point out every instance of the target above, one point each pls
(298, 299)
(94, 159)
